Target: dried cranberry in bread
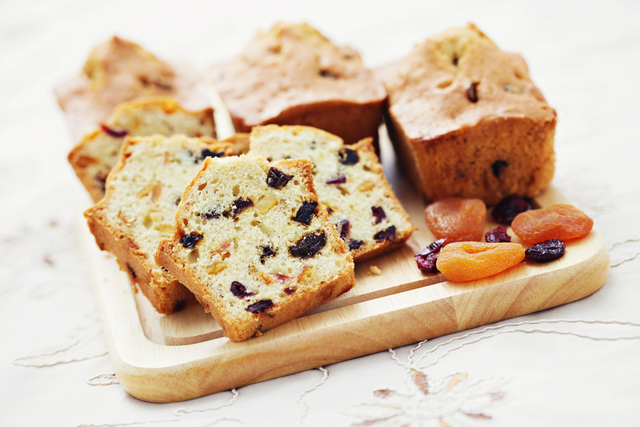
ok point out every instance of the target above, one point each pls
(468, 121)
(143, 193)
(98, 152)
(253, 245)
(350, 183)
(293, 75)
(117, 71)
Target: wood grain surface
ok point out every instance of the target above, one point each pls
(182, 356)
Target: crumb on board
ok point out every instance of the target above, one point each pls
(374, 270)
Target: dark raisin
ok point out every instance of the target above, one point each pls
(162, 85)
(113, 132)
(190, 240)
(309, 245)
(208, 153)
(102, 181)
(472, 92)
(546, 251)
(211, 214)
(178, 200)
(349, 157)
(289, 290)
(132, 271)
(240, 290)
(329, 74)
(305, 212)
(355, 244)
(497, 235)
(277, 179)
(378, 214)
(164, 269)
(340, 179)
(261, 306)
(267, 251)
(508, 208)
(344, 227)
(179, 305)
(426, 258)
(386, 234)
(329, 211)
(497, 167)
(240, 205)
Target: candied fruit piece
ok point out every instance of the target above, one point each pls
(386, 234)
(378, 214)
(546, 251)
(277, 179)
(305, 212)
(189, 240)
(309, 245)
(240, 290)
(426, 258)
(458, 219)
(497, 235)
(261, 306)
(562, 222)
(349, 157)
(508, 208)
(464, 261)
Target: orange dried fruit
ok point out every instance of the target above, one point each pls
(464, 261)
(561, 222)
(458, 219)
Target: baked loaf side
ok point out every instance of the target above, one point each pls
(253, 246)
(98, 152)
(468, 121)
(118, 71)
(293, 75)
(350, 183)
(143, 193)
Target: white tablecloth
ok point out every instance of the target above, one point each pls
(575, 365)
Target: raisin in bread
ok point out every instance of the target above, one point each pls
(253, 245)
(467, 121)
(293, 75)
(98, 152)
(143, 193)
(350, 183)
(118, 71)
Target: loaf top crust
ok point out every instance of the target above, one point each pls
(430, 94)
(117, 71)
(292, 65)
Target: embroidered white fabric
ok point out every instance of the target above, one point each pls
(575, 365)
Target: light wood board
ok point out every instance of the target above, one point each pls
(182, 356)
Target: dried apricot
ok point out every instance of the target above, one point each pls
(562, 222)
(464, 261)
(458, 219)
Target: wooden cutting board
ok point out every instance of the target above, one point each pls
(182, 356)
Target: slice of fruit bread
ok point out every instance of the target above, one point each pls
(254, 246)
(98, 152)
(350, 183)
(143, 193)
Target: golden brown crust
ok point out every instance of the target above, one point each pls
(310, 82)
(468, 121)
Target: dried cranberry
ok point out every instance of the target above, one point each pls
(190, 240)
(339, 179)
(426, 258)
(349, 157)
(472, 92)
(114, 133)
(497, 235)
(239, 205)
(267, 251)
(546, 251)
(261, 306)
(509, 207)
(345, 228)
(497, 167)
(289, 290)
(386, 234)
(208, 153)
(309, 245)
(277, 179)
(240, 290)
(355, 244)
(305, 212)
(378, 214)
